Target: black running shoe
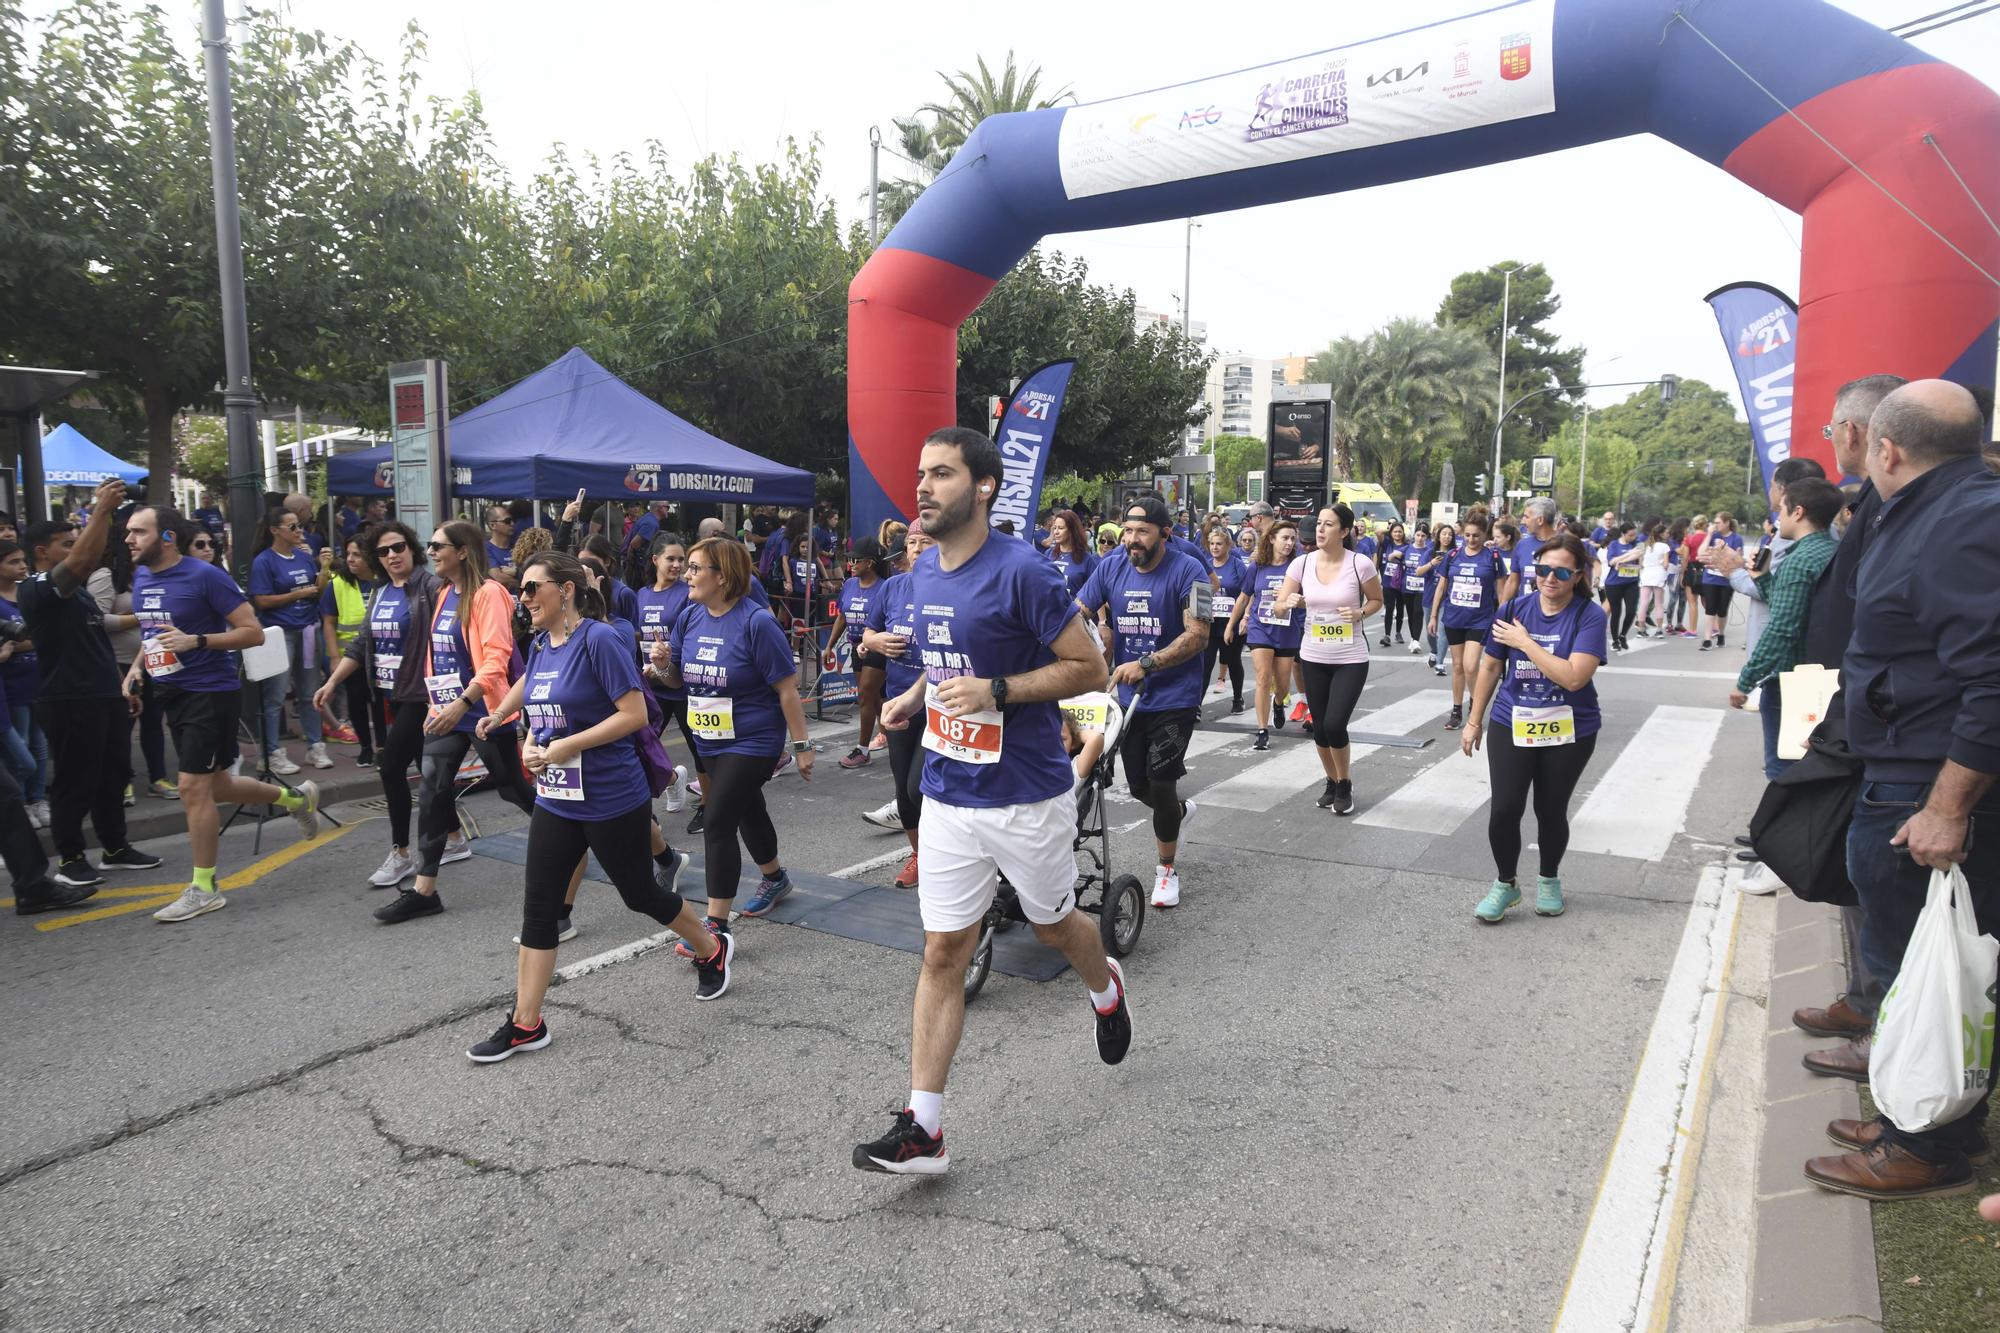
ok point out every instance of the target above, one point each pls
(79, 874)
(510, 1039)
(1263, 741)
(713, 973)
(1704, 645)
(904, 1151)
(366, 759)
(1457, 717)
(696, 824)
(51, 897)
(1326, 797)
(128, 858)
(1719, 638)
(1385, 641)
(1343, 797)
(408, 906)
(1114, 1030)
(1236, 705)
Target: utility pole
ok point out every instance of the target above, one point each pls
(1500, 405)
(874, 182)
(1187, 285)
(239, 397)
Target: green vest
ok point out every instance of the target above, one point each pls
(350, 604)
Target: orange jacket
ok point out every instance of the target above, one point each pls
(489, 638)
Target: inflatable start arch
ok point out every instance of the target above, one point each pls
(1900, 270)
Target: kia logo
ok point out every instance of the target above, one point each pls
(1399, 74)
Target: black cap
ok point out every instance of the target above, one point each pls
(1151, 508)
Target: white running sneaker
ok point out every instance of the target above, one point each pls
(308, 813)
(280, 763)
(456, 848)
(1187, 814)
(1167, 887)
(1760, 880)
(317, 756)
(192, 903)
(396, 867)
(676, 792)
(885, 816)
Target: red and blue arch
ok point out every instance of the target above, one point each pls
(1878, 292)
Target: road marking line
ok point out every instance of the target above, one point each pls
(1642, 801)
(1297, 769)
(599, 961)
(1438, 799)
(1670, 675)
(1630, 1247)
(140, 891)
(873, 863)
(242, 879)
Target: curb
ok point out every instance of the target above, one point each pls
(1813, 1266)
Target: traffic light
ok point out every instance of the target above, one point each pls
(1669, 384)
(1479, 484)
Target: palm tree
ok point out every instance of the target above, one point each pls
(1403, 395)
(971, 96)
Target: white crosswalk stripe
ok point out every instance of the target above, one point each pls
(1438, 799)
(1296, 768)
(1641, 802)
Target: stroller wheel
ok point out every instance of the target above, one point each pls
(1122, 916)
(981, 966)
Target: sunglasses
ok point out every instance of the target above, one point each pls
(396, 549)
(529, 587)
(435, 547)
(1559, 573)
(201, 544)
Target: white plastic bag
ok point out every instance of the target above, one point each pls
(1934, 1035)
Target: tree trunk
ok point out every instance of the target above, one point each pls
(161, 456)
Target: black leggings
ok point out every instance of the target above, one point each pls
(1553, 772)
(906, 766)
(1331, 693)
(622, 845)
(438, 813)
(402, 743)
(1715, 598)
(1231, 655)
(734, 791)
(1413, 613)
(1624, 606)
(364, 713)
(676, 710)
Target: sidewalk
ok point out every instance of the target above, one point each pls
(1814, 1262)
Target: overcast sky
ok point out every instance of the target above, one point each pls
(1634, 231)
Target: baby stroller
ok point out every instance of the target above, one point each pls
(1119, 904)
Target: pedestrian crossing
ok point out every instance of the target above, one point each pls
(1641, 802)
(1296, 767)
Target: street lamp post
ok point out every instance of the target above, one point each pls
(1506, 293)
(1668, 384)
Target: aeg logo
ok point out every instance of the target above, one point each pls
(1200, 118)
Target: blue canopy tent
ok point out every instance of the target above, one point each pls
(69, 459)
(574, 425)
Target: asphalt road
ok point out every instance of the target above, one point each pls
(1348, 1104)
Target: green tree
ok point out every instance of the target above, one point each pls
(352, 191)
(1403, 397)
(1536, 358)
(1679, 459)
(1236, 457)
(927, 139)
(1133, 391)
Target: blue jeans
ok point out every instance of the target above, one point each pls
(27, 752)
(1770, 710)
(1892, 889)
(304, 679)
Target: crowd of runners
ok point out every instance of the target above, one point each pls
(966, 641)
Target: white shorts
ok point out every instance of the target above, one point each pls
(962, 851)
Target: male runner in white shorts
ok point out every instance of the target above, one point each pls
(1001, 641)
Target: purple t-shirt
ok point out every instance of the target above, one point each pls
(1264, 584)
(855, 604)
(1471, 588)
(1146, 616)
(1075, 569)
(571, 689)
(735, 659)
(657, 613)
(194, 597)
(998, 614)
(1578, 628)
(895, 612)
(272, 573)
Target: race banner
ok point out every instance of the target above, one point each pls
(1026, 432)
(1760, 325)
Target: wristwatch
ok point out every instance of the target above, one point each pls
(999, 691)
(801, 747)
(201, 642)
(1149, 664)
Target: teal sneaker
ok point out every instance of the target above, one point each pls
(1548, 896)
(1498, 899)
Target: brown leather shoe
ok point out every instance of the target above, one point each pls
(1839, 1019)
(1847, 1060)
(1861, 1135)
(1888, 1172)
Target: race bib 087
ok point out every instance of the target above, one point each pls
(971, 739)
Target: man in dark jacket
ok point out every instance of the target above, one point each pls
(1829, 626)
(1922, 689)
